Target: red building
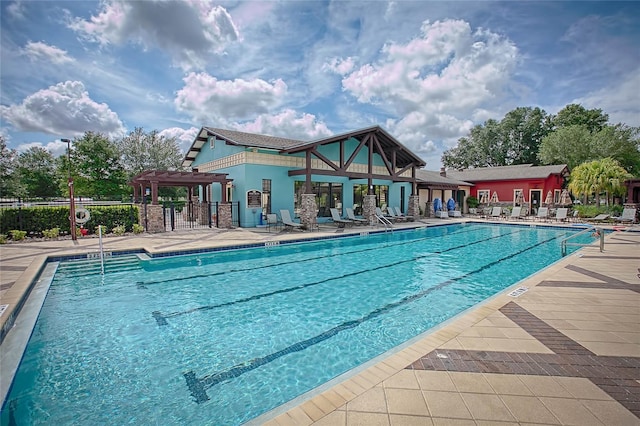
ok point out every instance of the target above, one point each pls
(525, 184)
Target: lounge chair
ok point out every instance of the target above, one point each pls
(340, 222)
(600, 218)
(515, 213)
(289, 224)
(352, 217)
(543, 213)
(402, 215)
(455, 213)
(561, 214)
(272, 221)
(496, 212)
(385, 216)
(393, 215)
(628, 215)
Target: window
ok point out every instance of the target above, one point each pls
(556, 196)
(266, 196)
(328, 196)
(518, 197)
(483, 196)
(359, 191)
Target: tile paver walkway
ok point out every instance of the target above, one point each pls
(565, 352)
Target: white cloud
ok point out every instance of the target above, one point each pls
(184, 137)
(436, 81)
(288, 124)
(339, 66)
(209, 100)
(44, 52)
(56, 148)
(190, 31)
(16, 9)
(64, 109)
(619, 100)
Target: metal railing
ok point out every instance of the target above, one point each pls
(596, 232)
(386, 222)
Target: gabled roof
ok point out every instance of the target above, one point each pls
(289, 146)
(387, 143)
(433, 178)
(520, 171)
(234, 137)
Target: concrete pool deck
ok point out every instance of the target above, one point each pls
(566, 351)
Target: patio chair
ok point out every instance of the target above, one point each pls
(561, 214)
(600, 218)
(515, 213)
(400, 214)
(289, 224)
(385, 216)
(273, 221)
(455, 213)
(628, 215)
(352, 217)
(543, 214)
(340, 222)
(391, 213)
(496, 212)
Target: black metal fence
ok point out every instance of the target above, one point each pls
(196, 215)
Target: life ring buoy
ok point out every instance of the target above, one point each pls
(82, 216)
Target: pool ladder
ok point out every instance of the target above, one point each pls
(597, 231)
(388, 226)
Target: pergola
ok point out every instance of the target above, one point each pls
(155, 179)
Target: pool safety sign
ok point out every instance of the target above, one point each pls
(518, 292)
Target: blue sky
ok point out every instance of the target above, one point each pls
(426, 71)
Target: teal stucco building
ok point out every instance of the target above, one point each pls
(362, 169)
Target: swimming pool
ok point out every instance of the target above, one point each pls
(223, 337)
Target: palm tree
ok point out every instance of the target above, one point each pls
(598, 176)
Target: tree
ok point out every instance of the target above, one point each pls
(574, 145)
(568, 145)
(9, 184)
(99, 172)
(36, 170)
(514, 140)
(149, 151)
(598, 176)
(620, 142)
(577, 115)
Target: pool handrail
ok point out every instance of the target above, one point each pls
(597, 232)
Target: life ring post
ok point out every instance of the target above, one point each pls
(82, 216)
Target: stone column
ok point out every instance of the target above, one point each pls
(309, 211)
(414, 206)
(155, 217)
(224, 216)
(203, 214)
(428, 212)
(369, 208)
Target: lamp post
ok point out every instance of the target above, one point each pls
(72, 202)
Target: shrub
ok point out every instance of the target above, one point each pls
(137, 228)
(34, 220)
(17, 235)
(119, 230)
(472, 202)
(51, 233)
(3, 239)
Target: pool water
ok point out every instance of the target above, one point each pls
(222, 337)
